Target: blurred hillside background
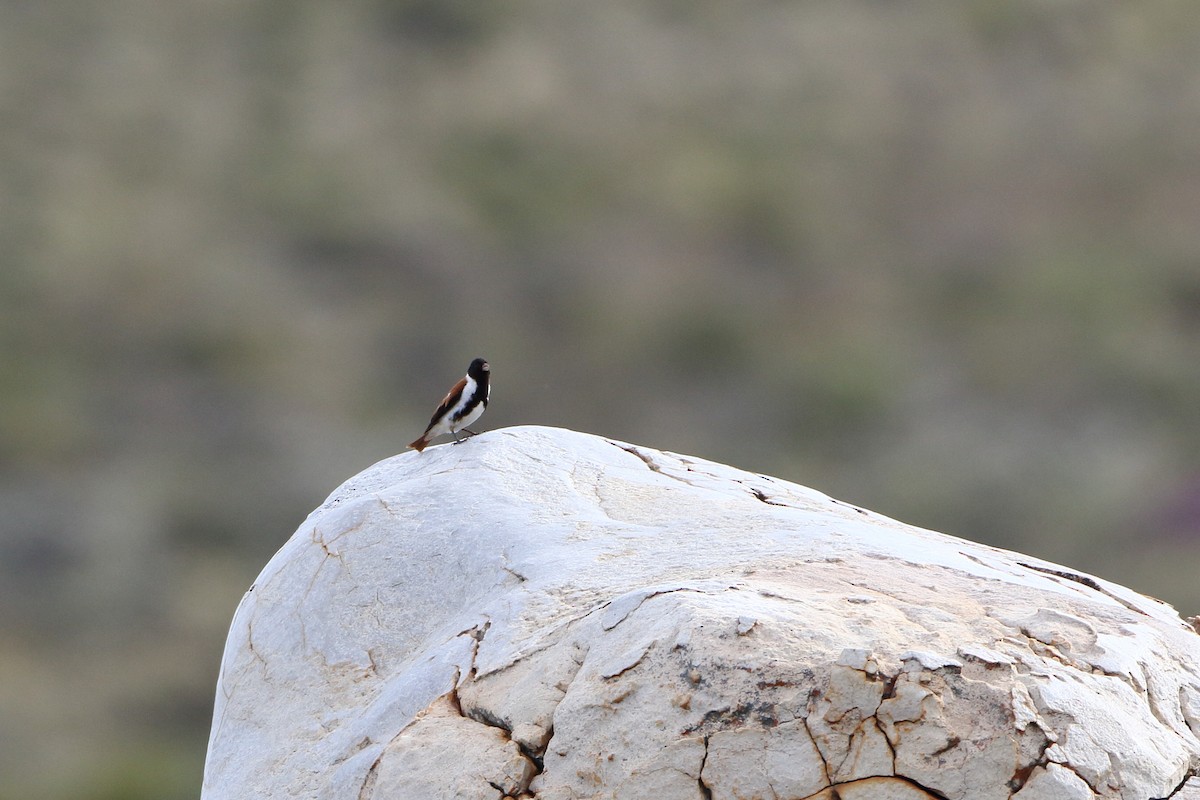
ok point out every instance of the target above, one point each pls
(941, 260)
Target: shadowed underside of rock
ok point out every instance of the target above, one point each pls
(543, 613)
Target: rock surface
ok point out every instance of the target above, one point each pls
(543, 613)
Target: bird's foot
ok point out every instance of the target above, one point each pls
(457, 440)
(464, 430)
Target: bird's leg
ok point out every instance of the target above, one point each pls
(465, 430)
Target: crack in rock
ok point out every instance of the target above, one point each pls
(422, 756)
(649, 462)
(842, 719)
(477, 633)
(824, 762)
(851, 506)
(705, 791)
(367, 791)
(618, 610)
(764, 761)
(891, 786)
(522, 697)
(1188, 788)
(1085, 581)
(762, 497)
(1025, 719)
(486, 717)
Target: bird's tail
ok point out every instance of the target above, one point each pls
(418, 444)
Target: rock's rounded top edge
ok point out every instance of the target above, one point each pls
(603, 482)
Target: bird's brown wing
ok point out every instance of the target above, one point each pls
(450, 399)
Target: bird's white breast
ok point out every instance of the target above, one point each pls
(453, 422)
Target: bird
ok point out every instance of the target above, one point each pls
(460, 407)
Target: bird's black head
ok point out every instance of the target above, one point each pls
(478, 368)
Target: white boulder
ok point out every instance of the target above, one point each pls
(549, 614)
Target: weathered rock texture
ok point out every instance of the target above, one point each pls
(542, 613)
